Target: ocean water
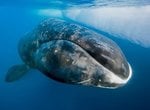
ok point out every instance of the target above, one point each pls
(127, 22)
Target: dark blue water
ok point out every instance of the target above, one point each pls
(36, 92)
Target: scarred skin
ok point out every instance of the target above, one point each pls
(74, 54)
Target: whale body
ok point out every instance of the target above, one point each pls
(72, 54)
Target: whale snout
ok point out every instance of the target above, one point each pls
(112, 80)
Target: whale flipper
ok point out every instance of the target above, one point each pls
(16, 72)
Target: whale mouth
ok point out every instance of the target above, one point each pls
(116, 81)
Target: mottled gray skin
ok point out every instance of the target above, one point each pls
(73, 54)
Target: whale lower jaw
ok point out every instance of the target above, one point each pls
(105, 78)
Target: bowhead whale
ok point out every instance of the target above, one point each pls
(72, 54)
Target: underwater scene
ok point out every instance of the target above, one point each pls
(75, 54)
